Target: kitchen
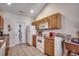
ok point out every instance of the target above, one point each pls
(50, 32)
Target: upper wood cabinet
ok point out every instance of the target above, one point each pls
(36, 24)
(1, 23)
(54, 21)
(44, 20)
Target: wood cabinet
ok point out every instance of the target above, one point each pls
(34, 40)
(37, 24)
(71, 48)
(54, 21)
(44, 20)
(49, 46)
(1, 23)
(7, 45)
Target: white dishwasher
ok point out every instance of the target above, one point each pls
(58, 46)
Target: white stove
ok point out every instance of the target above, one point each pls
(40, 43)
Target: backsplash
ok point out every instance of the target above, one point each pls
(60, 31)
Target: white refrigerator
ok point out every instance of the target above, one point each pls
(30, 31)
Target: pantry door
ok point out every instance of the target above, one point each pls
(19, 29)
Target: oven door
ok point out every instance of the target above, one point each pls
(40, 44)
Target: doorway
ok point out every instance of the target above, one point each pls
(19, 29)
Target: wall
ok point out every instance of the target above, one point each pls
(70, 22)
(11, 19)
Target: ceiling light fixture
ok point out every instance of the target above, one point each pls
(32, 11)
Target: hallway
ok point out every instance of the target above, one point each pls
(24, 50)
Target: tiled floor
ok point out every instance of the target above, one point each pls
(24, 50)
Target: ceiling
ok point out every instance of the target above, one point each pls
(23, 8)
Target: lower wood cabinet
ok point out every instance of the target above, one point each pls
(7, 45)
(71, 49)
(49, 46)
(34, 40)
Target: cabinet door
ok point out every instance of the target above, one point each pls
(1, 22)
(46, 19)
(50, 50)
(58, 17)
(49, 47)
(34, 40)
(55, 21)
(52, 22)
(46, 46)
(37, 24)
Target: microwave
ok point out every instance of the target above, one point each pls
(43, 25)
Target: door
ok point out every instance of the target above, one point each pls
(19, 28)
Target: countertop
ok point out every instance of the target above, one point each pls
(3, 39)
(46, 37)
(70, 42)
(49, 37)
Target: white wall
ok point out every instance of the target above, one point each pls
(70, 16)
(11, 19)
